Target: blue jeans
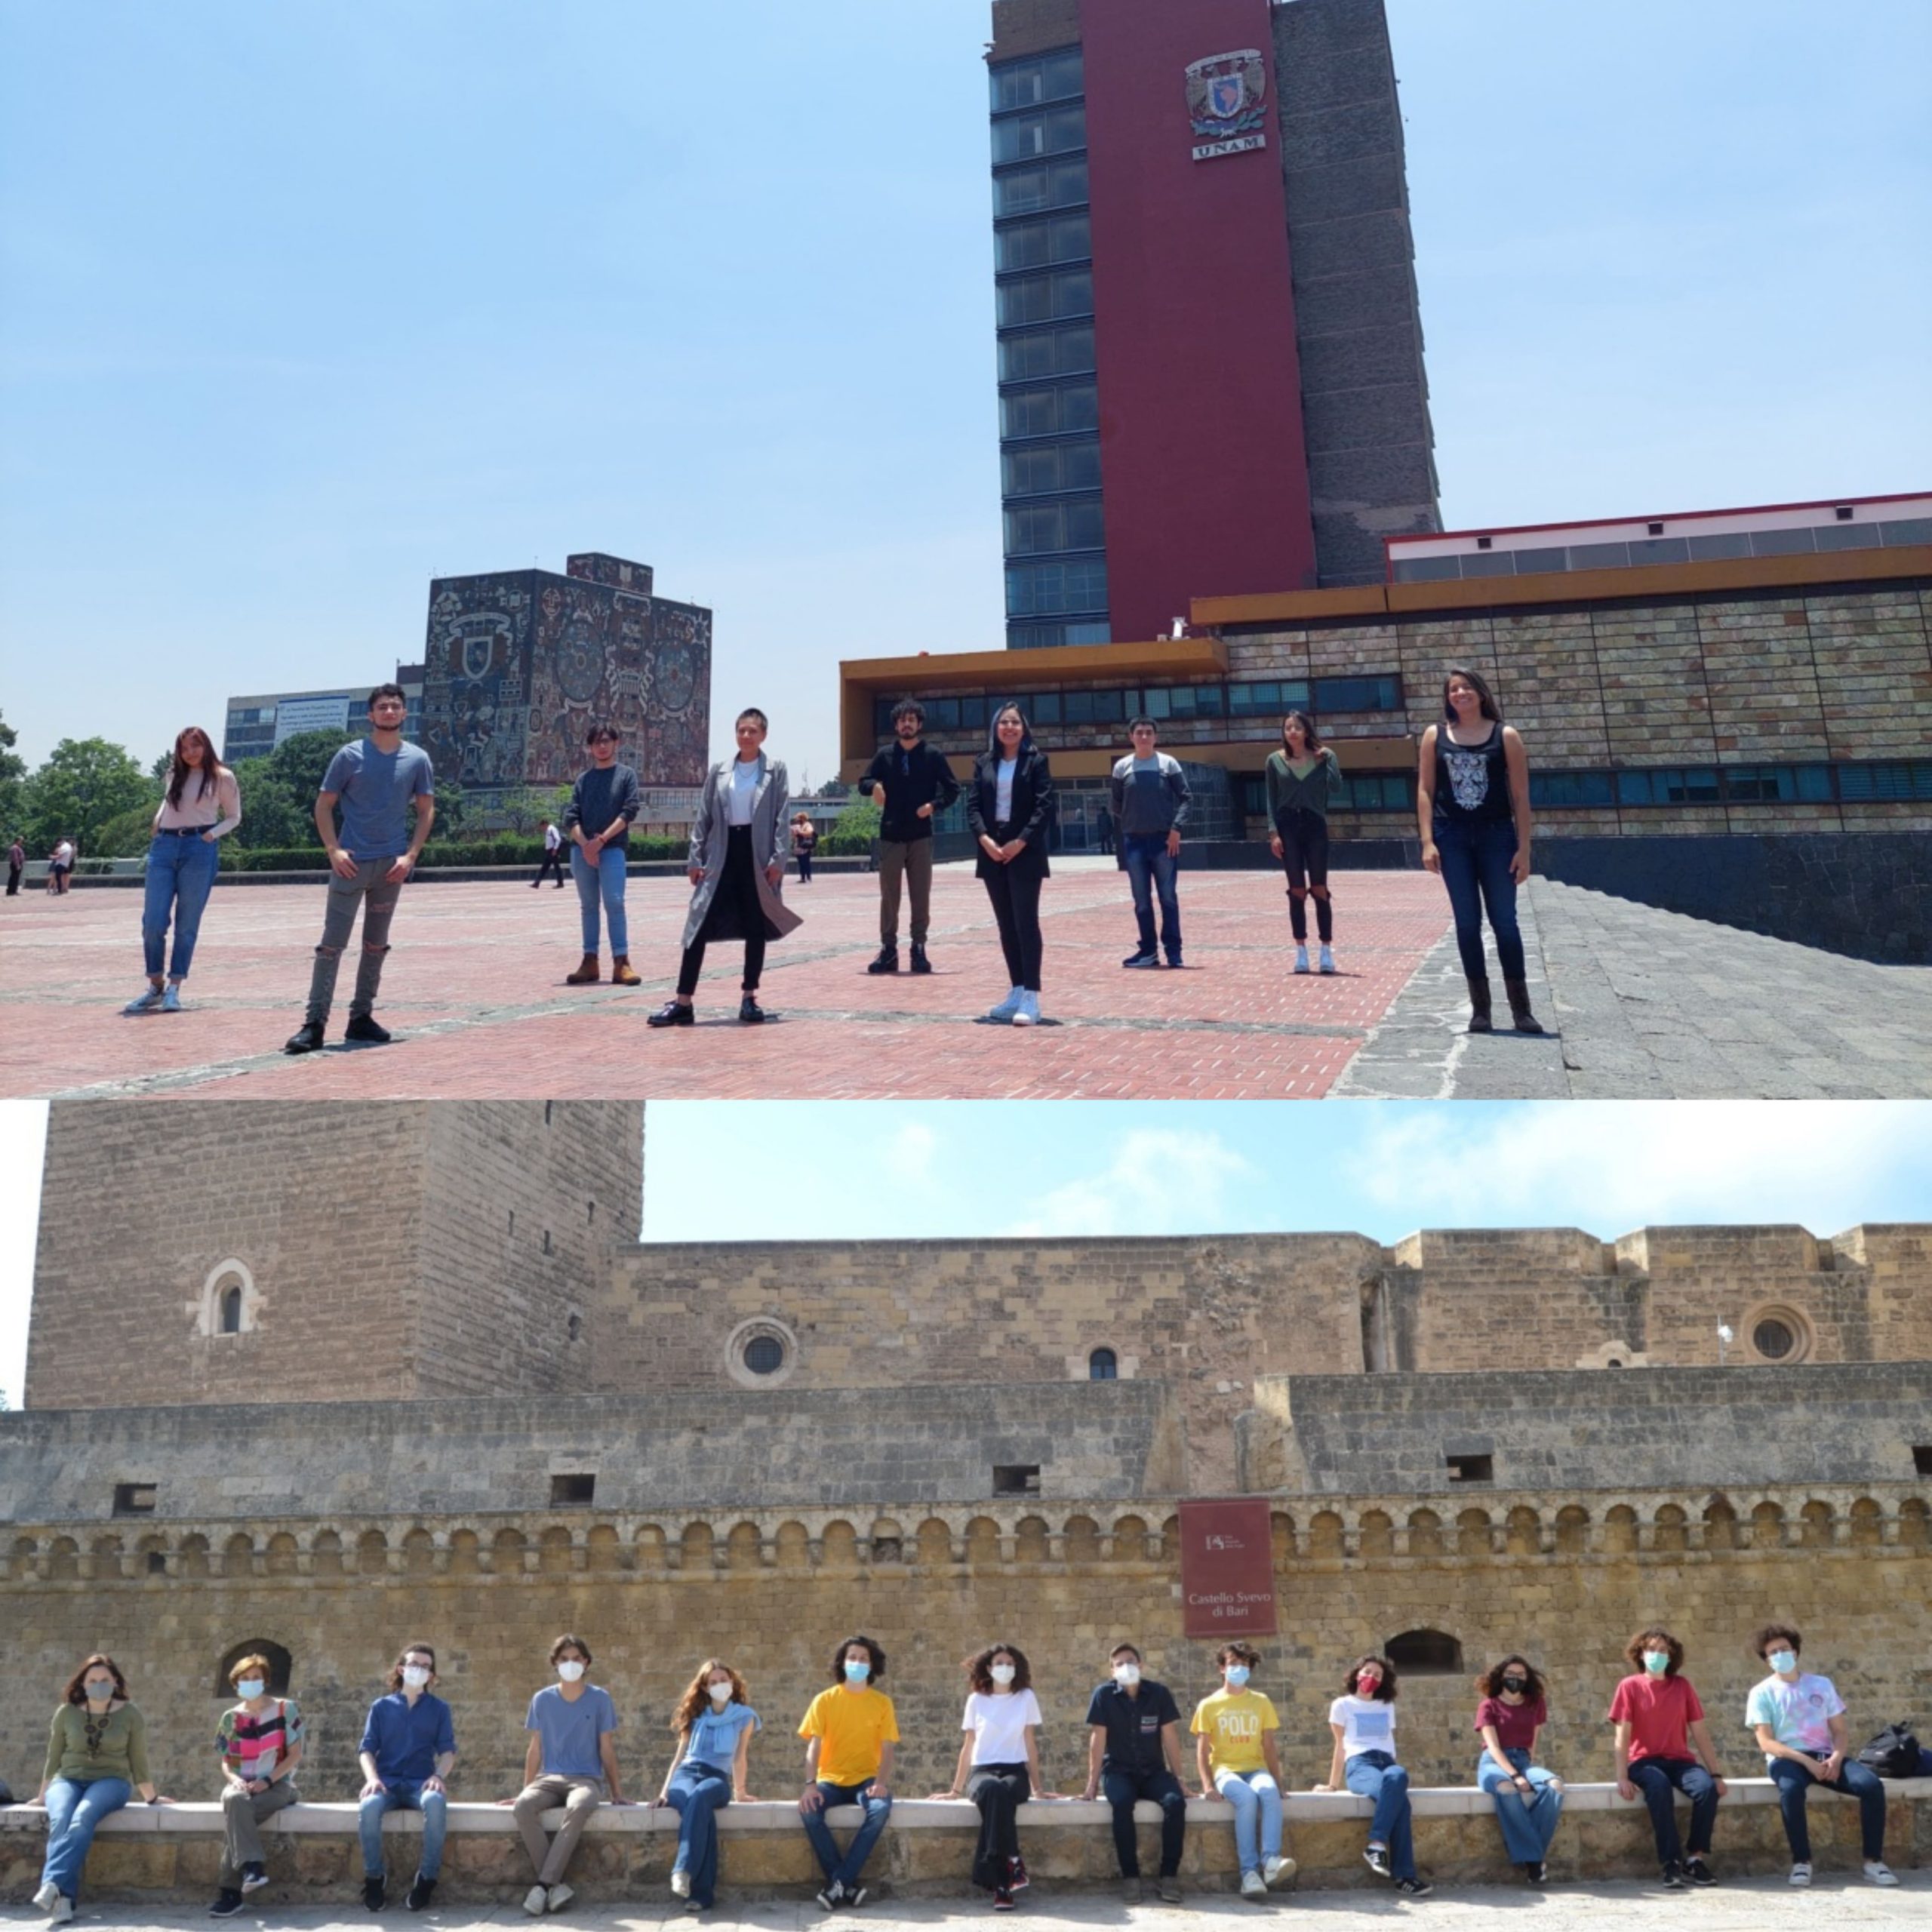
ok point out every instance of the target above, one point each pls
(1256, 1798)
(605, 878)
(404, 1795)
(181, 875)
(1376, 1774)
(1150, 870)
(74, 1806)
(1475, 859)
(1793, 1781)
(697, 1793)
(1528, 1823)
(845, 1870)
(1656, 1777)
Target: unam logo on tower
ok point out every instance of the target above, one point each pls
(1224, 94)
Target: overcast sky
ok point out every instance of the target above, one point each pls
(305, 303)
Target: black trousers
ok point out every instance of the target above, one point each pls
(735, 913)
(1304, 837)
(998, 1790)
(1121, 1788)
(1015, 897)
(805, 868)
(552, 862)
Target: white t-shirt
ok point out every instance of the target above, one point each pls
(1003, 790)
(552, 838)
(1368, 1724)
(744, 782)
(999, 1725)
(1799, 1713)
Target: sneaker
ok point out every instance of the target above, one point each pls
(1139, 960)
(1326, 961)
(674, 1013)
(363, 1031)
(1132, 1891)
(1301, 959)
(1028, 1013)
(307, 1038)
(1275, 1869)
(560, 1897)
(1173, 962)
(1537, 1871)
(1015, 1874)
(147, 1001)
(1801, 1873)
(254, 1877)
(1376, 1858)
(1008, 1007)
(1167, 1887)
(1253, 1885)
(920, 964)
(420, 1893)
(1698, 1872)
(1877, 1873)
(857, 1896)
(681, 1884)
(1414, 1888)
(831, 1895)
(1673, 1877)
(536, 1901)
(1003, 1898)
(62, 1909)
(45, 1899)
(887, 960)
(750, 1011)
(375, 1893)
(227, 1903)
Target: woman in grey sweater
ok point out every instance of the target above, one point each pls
(1303, 779)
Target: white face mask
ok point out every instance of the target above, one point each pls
(250, 1688)
(1126, 1675)
(415, 1676)
(720, 1690)
(570, 1670)
(1002, 1673)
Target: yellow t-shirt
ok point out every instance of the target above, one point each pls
(1233, 1722)
(853, 1726)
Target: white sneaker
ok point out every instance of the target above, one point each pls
(1801, 1873)
(1301, 959)
(1029, 1013)
(1252, 1885)
(560, 1897)
(1877, 1873)
(681, 1884)
(147, 1001)
(46, 1898)
(62, 1909)
(1009, 1006)
(1327, 961)
(536, 1901)
(1275, 1869)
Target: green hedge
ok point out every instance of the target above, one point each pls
(507, 851)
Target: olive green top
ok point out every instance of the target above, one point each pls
(120, 1749)
(1312, 790)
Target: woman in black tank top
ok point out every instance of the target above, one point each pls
(1472, 803)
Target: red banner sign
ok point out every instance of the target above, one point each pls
(1227, 1568)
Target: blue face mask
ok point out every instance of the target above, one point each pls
(856, 1670)
(1657, 1662)
(1237, 1675)
(1783, 1662)
(250, 1688)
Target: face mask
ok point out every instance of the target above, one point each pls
(1126, 1675)
(1657, 1662)
(1002, 1673)
(250, 1688)
(856, 1670)
(1237, 1675)
(1783, 1661)
(1368, 1685)
(721, 1693)
(99, 1693)
(570, 1670)
(1515, 1686)
(415, 1676)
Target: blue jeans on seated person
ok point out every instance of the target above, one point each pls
(404, 1795)
(1528, 1823)
(1257, 1799)
(605, 880)
(1854, 1779)
(697, 1792)
(1655, 1778)
(1149, 871)
(1376, 1774)
(1475, 859)
(180, 874)
(845, 1870)
(74, 1806)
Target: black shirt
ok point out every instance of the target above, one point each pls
(1134, 1725)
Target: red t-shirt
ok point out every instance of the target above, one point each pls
(1516, 1725)
(1659, 1712)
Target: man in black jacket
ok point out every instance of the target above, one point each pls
(909, 781)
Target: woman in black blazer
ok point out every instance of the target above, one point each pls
(1010, 807)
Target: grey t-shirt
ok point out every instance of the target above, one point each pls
(570, 1731)
(375, 788)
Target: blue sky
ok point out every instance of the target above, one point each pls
(886, 1170)
(307, 302)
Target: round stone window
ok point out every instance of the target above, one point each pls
(1778, 1334)
(761, 1353)
(765, 1355)
(1772, 1339)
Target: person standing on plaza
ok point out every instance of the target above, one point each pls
(1236, 1755)
(407, 1749)
(1528, 1799)
(1149, 794)
(850, 1731)
(1472, 806)
(737, 866)
(711, 1767)
(1303, 779)
(1363, 1720)
(97, 1760)
(201, 806)
(376, 779)
(1133, 1752)
(1659, 1724)
(604, 801)
(909, 781)
(571, 1760)
(16, 863)
(552, 860)
(1799, 1719)
(260, 1740)
(999, 1764)
(804, 843)
(1010, 809)
(60, 866)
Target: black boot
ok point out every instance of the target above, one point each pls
(887, 960)
(307, 1038)
(920, 964)
(363, 1029)
(1526, 1021)
(1479, 1021)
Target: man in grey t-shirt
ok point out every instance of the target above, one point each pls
(375, 780)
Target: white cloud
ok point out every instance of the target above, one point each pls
(1160, 1180)
(907, 1153)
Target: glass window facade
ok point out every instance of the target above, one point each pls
(1054, 520)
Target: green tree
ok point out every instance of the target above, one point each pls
(85, 783)
(852, 830)
(125, 836)
(13, 782)
(278, 791)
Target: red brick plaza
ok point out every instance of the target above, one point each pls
(474, 992)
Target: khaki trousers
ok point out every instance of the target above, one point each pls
(241, 1813)
(579, 1797)
(912, 859)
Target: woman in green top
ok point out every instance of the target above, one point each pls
(97, 1759)
(1303, 779)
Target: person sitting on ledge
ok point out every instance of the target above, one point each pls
(1239, 1761)
(1133, 1752)
(1528, 1799)
(850, 1731)
(1658, 1720)
(1363, 1719)
(260, 1742)
(408, 1747)
(714, 1722)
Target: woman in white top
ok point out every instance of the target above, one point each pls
(202, 804)
(1363, 1719)
(999, 1764)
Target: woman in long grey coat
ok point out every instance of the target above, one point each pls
(738, 847)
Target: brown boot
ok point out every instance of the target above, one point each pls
(621, 974)
(586, 974)
(1479, 1007)
(1519, 1007)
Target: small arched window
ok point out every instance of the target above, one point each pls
(1425, 1654)
(231, 1309)
(1102, 1365)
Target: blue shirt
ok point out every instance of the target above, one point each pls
(570, 1731)
(375, 788)
(406, 1741)
(714, 1738)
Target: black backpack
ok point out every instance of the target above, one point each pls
(1894, 1753)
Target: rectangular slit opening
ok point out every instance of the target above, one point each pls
(134, 1499)
(1470, 1468)
(1015, 1478)
(1921, 1459)
(571, 1491)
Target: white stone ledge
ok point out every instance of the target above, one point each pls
(908, 1814)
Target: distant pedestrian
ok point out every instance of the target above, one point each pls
(1010, 809)
(1150, 796)
(1303, 779)
(17, 862)
(804, 843)
(376, 779)
(1103, 829)
(1472, 805)
(737, 864)
(909, 782)
(59, 865)
(552, 860)
(201, 806)
(604, 802)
